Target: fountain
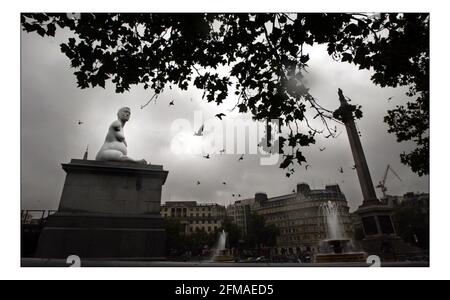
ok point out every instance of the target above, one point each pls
(221, 253)
(337, 247)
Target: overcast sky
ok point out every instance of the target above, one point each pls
(52, 105)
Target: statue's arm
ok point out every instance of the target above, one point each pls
(118, 133)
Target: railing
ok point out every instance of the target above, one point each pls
(35, 216)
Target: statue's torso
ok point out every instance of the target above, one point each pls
(113, 140)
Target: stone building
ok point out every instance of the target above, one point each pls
(195, 216)
(239, 213)
(298, 216)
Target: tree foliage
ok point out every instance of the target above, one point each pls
(413, 224)
(265, 61)
(261, 234)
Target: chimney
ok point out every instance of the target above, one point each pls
(260, 197)
(303, 188)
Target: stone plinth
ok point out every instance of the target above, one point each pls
(108, 210)
(112, 187)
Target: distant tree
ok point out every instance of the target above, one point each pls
(272, 232)
(259, 233)
(264, 58)
(174, 235)
(413, 225)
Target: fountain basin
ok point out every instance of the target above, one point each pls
(343, 257)
(338, 250)
(223, 256)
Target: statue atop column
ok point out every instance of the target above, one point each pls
(115, 145)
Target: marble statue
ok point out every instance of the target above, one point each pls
(115, 147)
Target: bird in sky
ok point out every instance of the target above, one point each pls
(220, 115)
(239, 195)
(171, 103)
(241, 158)
(233, 195)
(354, 167)
(306, 167)
(206, 156)
(341, 170)
(321, 149)
(79, 122)
(198, 182)
(293, 191)
(224, 183)
(222, 151)
(200, 131)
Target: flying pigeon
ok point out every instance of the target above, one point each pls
(241, 158)
(341, 170)
(171, 103)
(79, 122)
(200, 131)
(321, 149)
(220, 115)
(206, 156)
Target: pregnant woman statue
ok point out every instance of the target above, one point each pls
(115, 146)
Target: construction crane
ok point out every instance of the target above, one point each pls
(382, 184)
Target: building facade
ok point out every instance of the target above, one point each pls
(299, 217)
(195, 216)
(239, 213)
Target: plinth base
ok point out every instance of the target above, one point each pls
(108, 210)
(103, 237)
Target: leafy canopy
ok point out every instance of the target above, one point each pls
(264, 56)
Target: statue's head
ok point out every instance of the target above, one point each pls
(124, 114)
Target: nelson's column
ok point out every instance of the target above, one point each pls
(380, 236)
